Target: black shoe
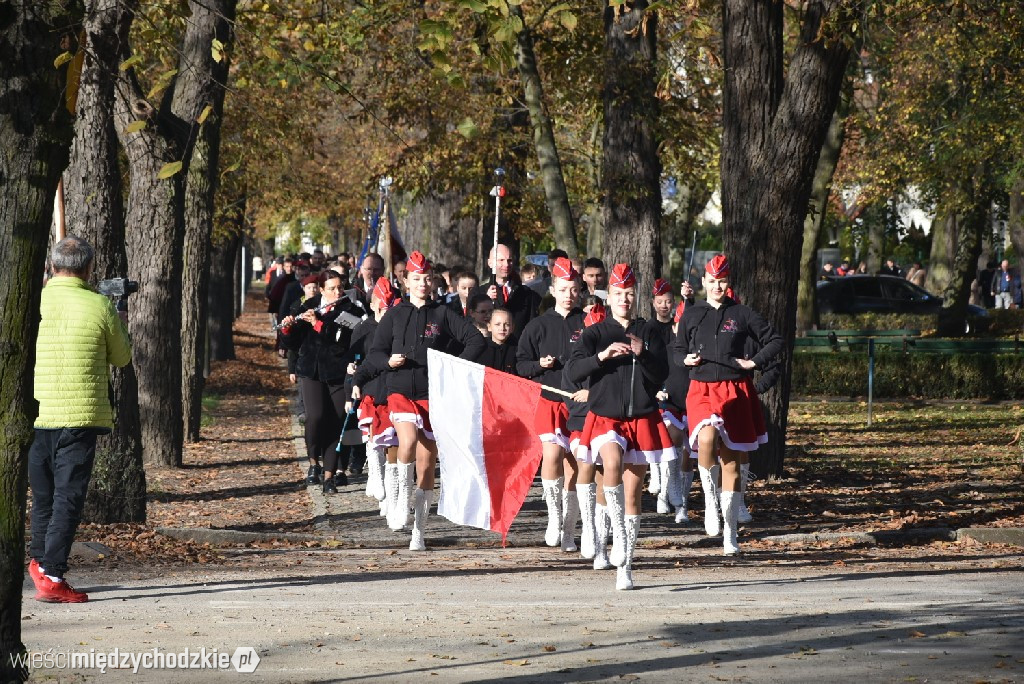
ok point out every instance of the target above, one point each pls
(329, 487)
(340, 480)
(314, 475)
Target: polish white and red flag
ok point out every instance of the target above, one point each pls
(483, 423)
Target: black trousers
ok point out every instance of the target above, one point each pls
(59, 467)
(325, 414)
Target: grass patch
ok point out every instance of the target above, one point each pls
(210, 403)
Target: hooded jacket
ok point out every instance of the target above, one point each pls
(626, 386)
(720, 337)
(411, 331)
(548, 335)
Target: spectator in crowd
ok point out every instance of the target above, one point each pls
(500, 353)
(862, 268)
(844, 268)
(293, 291)
(891, 268)
(507, 290)
(533, 278)
(439, 287)
(371, 269)
(480, 308)
(465, 284)
(317, 261)
(80, 337)
(398, 278)
(1006, 287)
(595, 276)
(827, 271)
(916, 274)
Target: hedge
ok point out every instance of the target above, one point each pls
(1002, 322)
(898, 375)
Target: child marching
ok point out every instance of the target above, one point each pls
(626, 363)
(722, 405)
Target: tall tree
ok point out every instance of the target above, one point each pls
(35, 134)
(555, 192)
(776, 112)
(94, 209)
(631, 167)
(203, 87)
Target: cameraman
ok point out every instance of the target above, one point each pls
(80, 336)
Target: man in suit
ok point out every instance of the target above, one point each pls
(506, 290)
(1006, 287)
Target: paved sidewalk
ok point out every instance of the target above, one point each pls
(538, 616)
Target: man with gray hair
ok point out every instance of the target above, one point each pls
(80, 336)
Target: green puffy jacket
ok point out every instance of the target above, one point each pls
(80, 336)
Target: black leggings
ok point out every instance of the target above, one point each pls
(325, 415)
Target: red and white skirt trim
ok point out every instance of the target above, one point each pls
(365, 411)
(550, 423)
(382, 432)
(732, 408)
(673, 418)
(577, 447)
(416, 411)
(643, 440)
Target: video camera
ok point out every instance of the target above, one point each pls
(120, 288)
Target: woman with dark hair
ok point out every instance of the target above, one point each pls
(722, 405)
(321, 332)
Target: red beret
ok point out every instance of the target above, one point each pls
(622, 276)
(310, 280)
(597, 314)
(384, 293)
(417, 263)
(679, 311)
(718, 267)
(563, 269)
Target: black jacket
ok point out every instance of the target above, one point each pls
(523, 304)
(577, 409)
(548, 335)
(677, 384)
(623, 386)
(367, 378)
(408, 330)
(500, 356)
(720, 337)
(323, 355)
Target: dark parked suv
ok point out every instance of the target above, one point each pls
(883, 294)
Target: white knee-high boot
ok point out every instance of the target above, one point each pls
(730, 507)
(390, 488)
(655, 484)
(374, 473)
(553, 497)
(709, 480)
(586, 494)
(420, 508)
(684, 496)
(663, 495)
(743, 515)
(624, 574)
(398, 515)
(616, 498)
(601, 537)
(570, 516)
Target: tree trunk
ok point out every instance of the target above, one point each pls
(773, 132)
(807, 311)
(202, 86)
(631, 168)
(94, 208)
(972, 227)
(940, 261)
(1015, 221)
(154, 231)
(35, 134)
(222, 300)
(555, 193)
(828, 159)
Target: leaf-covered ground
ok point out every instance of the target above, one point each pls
(920, 465)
